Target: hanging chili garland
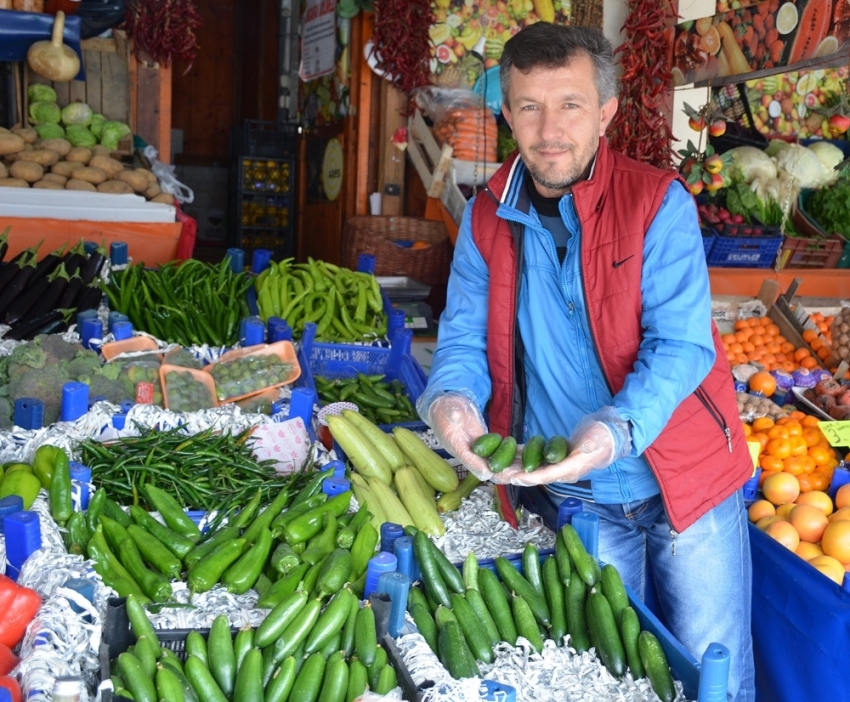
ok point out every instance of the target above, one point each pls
(640, 128)
(401, 44)
(164, 29)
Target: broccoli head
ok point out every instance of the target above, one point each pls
(25, 357)
(113, 390)
(6, 413)
(84, 365)
(44, 384)
(60, 350)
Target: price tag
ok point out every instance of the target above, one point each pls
(755, 450)
(836, 433)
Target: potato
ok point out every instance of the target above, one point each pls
(137, 181)
(4, 172)
(110, 165)
(66, 168)
(28, 134)
(60, 146)
(13, 183)
(48, 185)
(55, 178)
(99, 150)
(92, 175)
(149, 175)
(152, 191)
(3, 130)
(115, 187)
(43, 157)
(165, 198)
(26, 170)
(11, 144)
(80, 154)
(77, 184)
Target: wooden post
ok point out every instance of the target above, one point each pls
(391, 168)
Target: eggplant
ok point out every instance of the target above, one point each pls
(49, 263)
(11, 269)
(90, 298)
(39, 298)
(75, 258)
(23, 331)
(4, 242)
(94, 264)
(17, 286)
(71, 293)
(32, 249)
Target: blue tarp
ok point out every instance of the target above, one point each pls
(801, 628)
(20, 30)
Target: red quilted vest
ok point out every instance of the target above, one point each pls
(701, 456)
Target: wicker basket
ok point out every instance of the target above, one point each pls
(376, 235)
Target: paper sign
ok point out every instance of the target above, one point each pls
(755, 450)
(836, 433)
(286, 443)
(318, 39)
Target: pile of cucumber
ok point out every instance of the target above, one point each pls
(538, 451)
(463, 616)
(305, 650)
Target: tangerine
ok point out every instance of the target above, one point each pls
(798, 445)
(801, 353)
(770, 464)
(762, 423)
(793, 465)
(809, 522)
(819, 481)
(809, 363)
(781, 488)
(778, 448)
(778, 432)
(836, 541)
(809, 335)
(809, 420)
(784, 533)
(805, 481)
(761, 437)
(819, 455)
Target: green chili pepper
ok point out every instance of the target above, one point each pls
(247, 513)
(266, 517)
(96, 504)
(61, 505)
(173, 514)
(77, 537)
(239, 577)
(206, 573)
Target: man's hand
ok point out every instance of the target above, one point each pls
(457, 422)
(598, 440)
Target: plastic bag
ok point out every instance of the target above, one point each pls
(165, 174)
(463, 121)
(751, 407)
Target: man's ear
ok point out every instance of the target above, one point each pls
(506, 111)
(609, 109)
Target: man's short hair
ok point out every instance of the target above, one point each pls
(548, 45)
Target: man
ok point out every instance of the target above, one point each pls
(578, 304)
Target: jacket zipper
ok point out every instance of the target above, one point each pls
(715, 413)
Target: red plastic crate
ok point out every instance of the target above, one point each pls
(815, 252)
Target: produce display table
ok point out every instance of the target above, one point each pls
(747, 281)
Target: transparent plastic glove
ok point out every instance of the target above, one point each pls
(597, 441)
(457, 423)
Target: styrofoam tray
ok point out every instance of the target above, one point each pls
(798, 394)
(81, 205)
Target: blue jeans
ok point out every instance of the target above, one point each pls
(703, 576)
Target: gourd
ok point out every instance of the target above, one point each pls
(52, 59)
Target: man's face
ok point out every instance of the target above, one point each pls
(557, 122)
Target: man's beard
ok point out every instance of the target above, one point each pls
(575, 172)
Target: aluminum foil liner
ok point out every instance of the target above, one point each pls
(424, 666)
(241, 610)
(477, 527)
(52, 540)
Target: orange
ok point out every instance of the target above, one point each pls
(772, 329)
(817, 498)
(805, 481)
(757, 340)
(770, 464)
(780, 358)
(730, 357)
(828, 567)
(842, 496)
(819, 481)
(778, 432)
(801, 353)
(809, 335)
(775, 348)
(736, 348)
(809, 522)
(797, 445)
(781, 488)
(763, 382)
(796, 415)
(729, 339)
(765, 474)
(794, 427)
(809, 362)
(811, 436)
(808, 464)
(841, 515)
(823, 352)
(784, 533)
(809, 420)
(761, 437)
(779, 448)
(836, 541)
(762, 423)
(747, 347)
(740, 359)
(740, 337)
(753, 321)
(784, 511)
(740, 324)
(816, 344)
(789, 366)
(819, 455)
(807, 551)
(787, 347)
(748, 430)
(759, 329)
(760, 509)
(793, 465)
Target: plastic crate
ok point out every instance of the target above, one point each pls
(265, 139)
(809, 226)
(751, 231)
(803, 252)
(744, 252)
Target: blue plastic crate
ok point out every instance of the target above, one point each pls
(347, 360)
(744, 252)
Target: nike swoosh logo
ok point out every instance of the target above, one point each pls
(617, 264)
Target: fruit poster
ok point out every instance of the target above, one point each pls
(462, 26)
(762, 36)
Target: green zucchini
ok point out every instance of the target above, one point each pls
(168, 686)
(470, 572)
(243, 643)
(486, 444)
(281, 682)
(525, 623)
(614, 590)
(425, 623)
(532, 453)
(519, 585)
(249, 679)
(334, 573)
(347, 641)
(630, 631)
(497, 603)
(562, 556)
(330, 622)
(202, 681)
(472, 629)
(585, 564)
(474, 599)
(454, 653)
(657, 670)
(279, 618)
(431, 577)
(335, 684)
(504, 455)
(222, 656)
(387, 681)
(365, 636)
(196, 645)
(375, 669)
(451, 575)
(137, 680)
(531, 568)
(358, 679)
(308, 682)
(576, 618)
(604, 634)
(556, 449)
(555, 598)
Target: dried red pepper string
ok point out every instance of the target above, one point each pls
(640, 128)
(401, 42)
(164, 29)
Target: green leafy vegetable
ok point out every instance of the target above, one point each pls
(831, 208)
